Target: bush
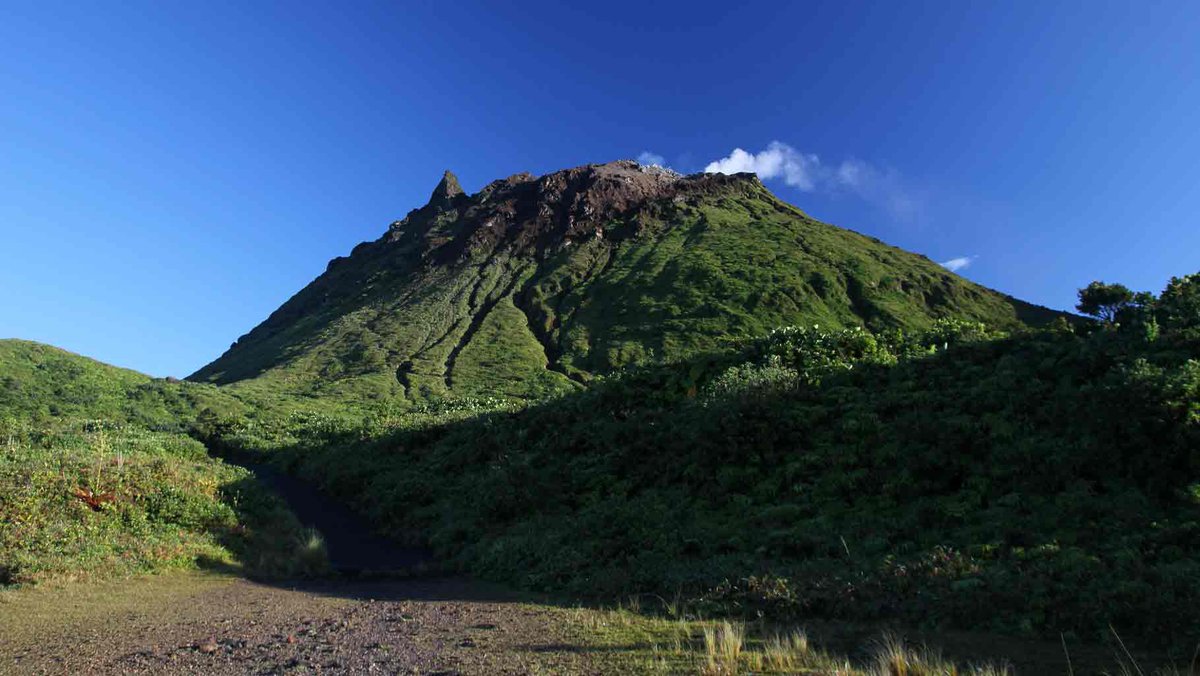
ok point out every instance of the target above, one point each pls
(952, 477)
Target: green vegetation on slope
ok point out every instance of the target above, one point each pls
(506, 358)
(582, 272)
(1037, 482)
(698, 276)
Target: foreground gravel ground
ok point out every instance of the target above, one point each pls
(207, 624)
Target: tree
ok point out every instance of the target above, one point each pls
(1104, 301)
(1178, 307)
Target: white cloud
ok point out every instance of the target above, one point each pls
(960, 263)
(649, 158)
(883, 187)
(797, 169)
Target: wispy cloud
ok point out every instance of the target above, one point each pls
(960, 263)
(882, 187)
(648, 157)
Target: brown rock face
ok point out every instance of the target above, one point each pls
(526, 215)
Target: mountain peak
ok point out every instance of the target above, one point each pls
(446, 191)
(537, 281)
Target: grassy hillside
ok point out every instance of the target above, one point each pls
(1037, 482)
(534, 285)
(41, 383)
(98, 478)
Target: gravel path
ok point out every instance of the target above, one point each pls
(196, 623)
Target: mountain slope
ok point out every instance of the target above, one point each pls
(534, 284)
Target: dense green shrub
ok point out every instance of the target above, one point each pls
(1038, 482)
(1178, 308)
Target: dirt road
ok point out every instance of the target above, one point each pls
(191, 623)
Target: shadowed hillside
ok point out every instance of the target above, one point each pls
(1040, 482)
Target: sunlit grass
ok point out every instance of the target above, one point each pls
(684, 643)
(93, 500)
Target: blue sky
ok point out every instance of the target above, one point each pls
(170, 172)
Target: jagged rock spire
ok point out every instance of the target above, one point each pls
(446, 191)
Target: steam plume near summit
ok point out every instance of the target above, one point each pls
(884, 188)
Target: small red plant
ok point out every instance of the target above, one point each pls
(91, 499)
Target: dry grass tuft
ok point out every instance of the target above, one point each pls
(895, 658)
(723, 645)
